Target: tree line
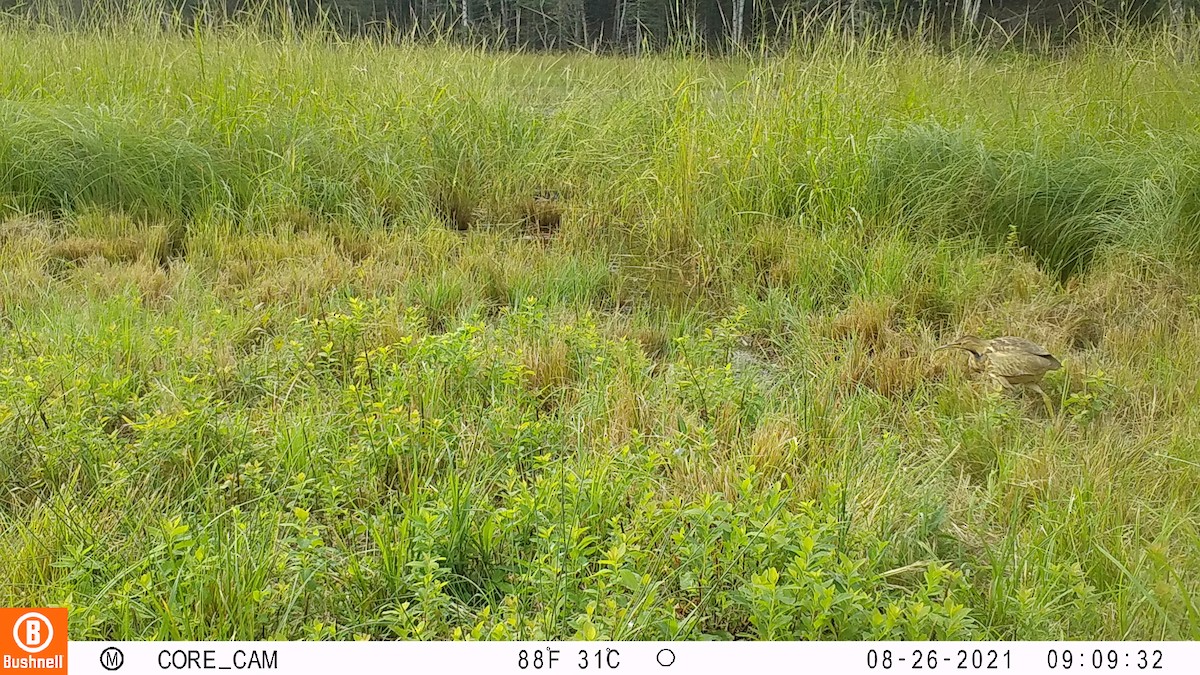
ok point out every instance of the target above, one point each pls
(635, 25)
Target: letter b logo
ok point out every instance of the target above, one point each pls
(33, 632)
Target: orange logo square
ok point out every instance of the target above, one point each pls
(33, 641)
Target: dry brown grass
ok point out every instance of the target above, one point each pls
(76, 249)
(23, 273)
(549, 367)
(117, 238)
(868, 323)
(775, 445)
(877, 355)
(154, 286)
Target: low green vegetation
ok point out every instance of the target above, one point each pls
(302, 338)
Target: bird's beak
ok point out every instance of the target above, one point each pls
(943, 347)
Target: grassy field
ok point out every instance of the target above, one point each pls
(307, 339)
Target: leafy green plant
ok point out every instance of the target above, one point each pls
(1087, 404)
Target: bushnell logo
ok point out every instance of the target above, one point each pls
(39, 640)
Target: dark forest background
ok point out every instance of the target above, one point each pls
(635, 25)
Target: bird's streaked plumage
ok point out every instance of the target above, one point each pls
(1009, 361)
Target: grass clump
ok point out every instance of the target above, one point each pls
(61, 160)
(1062, 206)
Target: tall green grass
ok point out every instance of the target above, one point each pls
(302, 337)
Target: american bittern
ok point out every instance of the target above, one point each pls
(1010, 361)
